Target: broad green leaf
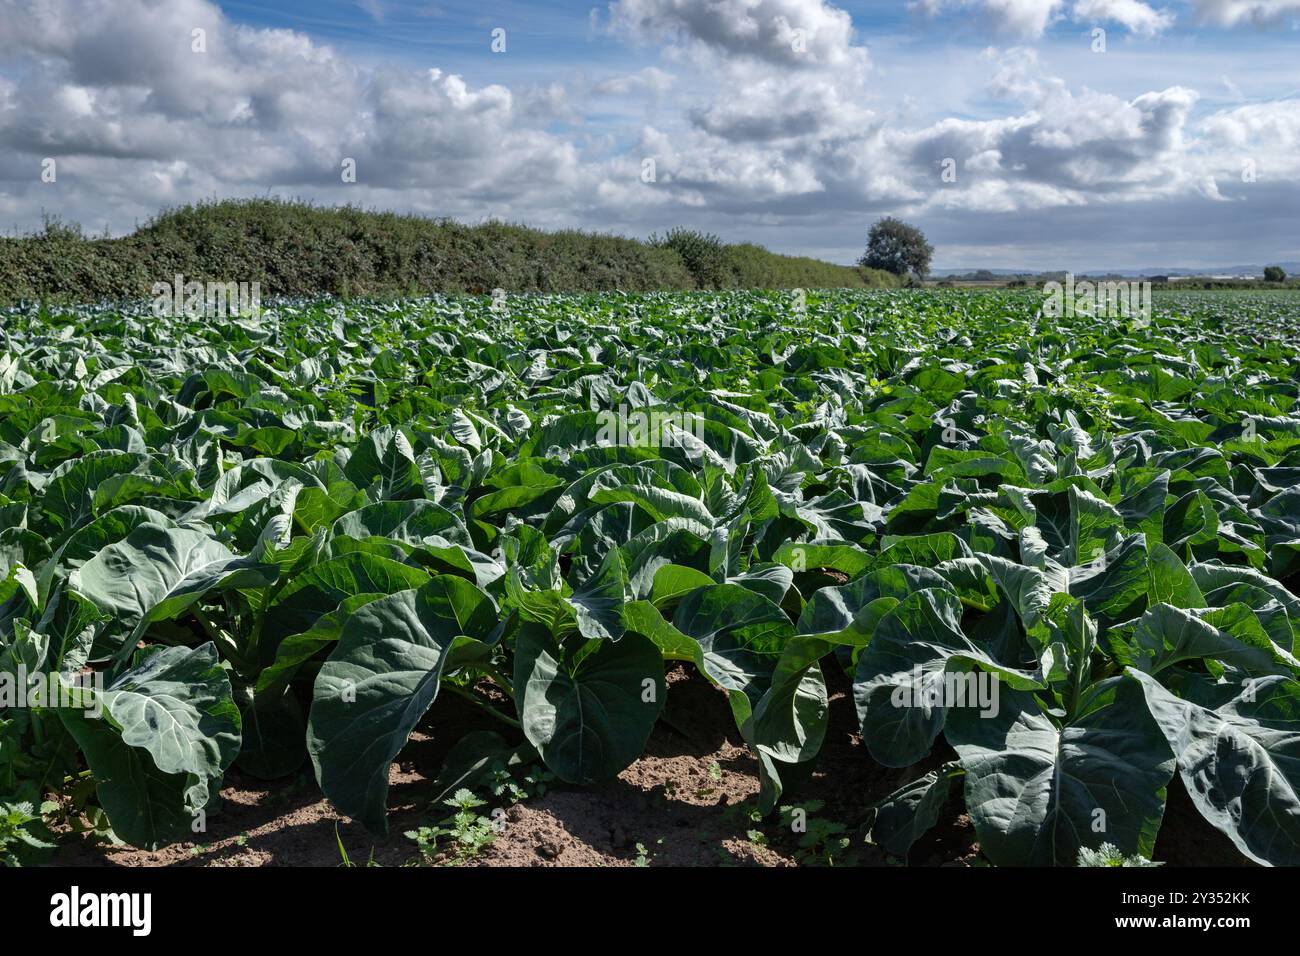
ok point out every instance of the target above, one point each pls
(919, 667)
(588, 707)
(381, 679)
(168, 731)
(1037, 791)
(1240, 762)
(904, 816)
(156, 573)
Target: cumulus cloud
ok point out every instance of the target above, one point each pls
(1030, 19)
(789, 32)
(1260, 13)
(748, 132)
(773, 150)
(1253, 146)
(775, 109)
(1273, 127)
(234, 109)
(1133, 15)
(651, 81)
(1066, 148)
(1023, 18)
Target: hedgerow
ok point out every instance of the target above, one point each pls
(295, 251)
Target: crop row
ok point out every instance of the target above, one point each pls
(1062, 550)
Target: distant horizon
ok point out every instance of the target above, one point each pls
(1181, 271)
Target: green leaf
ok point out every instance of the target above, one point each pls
(324, 587)
(1115, 587)
(1037, 791)
(297, 649)
(672, 582)
(157, 573)
(381, 679)
(169, 730)
(385, 462)
(740, 635)
(918, 664)
(904, 816)
(587, 706)
(1240, 762)
(1171, 582)
(789, 721)
(1165, 636)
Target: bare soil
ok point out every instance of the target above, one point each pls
(686, 802)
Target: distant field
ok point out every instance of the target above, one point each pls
(894, 560)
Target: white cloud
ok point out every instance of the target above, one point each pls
(136, 116)
(1133, 15)
(1030, 19)
(762, 143)
(1271, 126)
(758, 107)
(651, 81)
(788, 32)
(1263, 136)
(1023, 18)
(1233, 13)
(746, 133)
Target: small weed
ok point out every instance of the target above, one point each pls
(821, 842)
(23, 837)
(643, 855)
(1109, 855)
(467, 832)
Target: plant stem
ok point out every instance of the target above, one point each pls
(206, 623)
(480, 702)
(499, 679)
(52, 764)
(225, 643)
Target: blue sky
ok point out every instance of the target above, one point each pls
(999, 126)
(453, 34)
(565, 34)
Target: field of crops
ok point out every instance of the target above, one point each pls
(1058, 554)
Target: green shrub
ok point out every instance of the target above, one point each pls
(704, 254)
(297, 249)
(752, 266)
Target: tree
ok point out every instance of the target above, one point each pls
(1274, 274)
(897, 247)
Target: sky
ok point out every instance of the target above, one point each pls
(1038, 134)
